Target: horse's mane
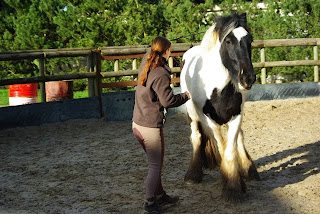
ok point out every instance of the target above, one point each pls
(221, 29)
(210, 38)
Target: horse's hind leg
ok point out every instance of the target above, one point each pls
(195, 173)
(248, 169)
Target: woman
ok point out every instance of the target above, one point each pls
(153, 96)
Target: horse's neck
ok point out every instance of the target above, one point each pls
(216, 75)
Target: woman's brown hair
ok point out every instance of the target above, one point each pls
(154, 59)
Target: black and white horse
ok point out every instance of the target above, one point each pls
(218, 74)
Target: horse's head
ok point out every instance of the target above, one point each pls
(235, 49)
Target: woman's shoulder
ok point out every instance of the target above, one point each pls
(159, 72)
(163, 69)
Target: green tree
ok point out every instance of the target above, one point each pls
(141, 21)
(26, 25)
(186, 20)
(109, 23)
(30, 23)
(39, 24)
(289, 19)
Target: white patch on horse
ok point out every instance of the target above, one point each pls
(239, 33)
(234, 126)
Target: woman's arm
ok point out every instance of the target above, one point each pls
(167, 98)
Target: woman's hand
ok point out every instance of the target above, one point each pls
(187, 93)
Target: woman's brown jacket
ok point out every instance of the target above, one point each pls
(152, 99)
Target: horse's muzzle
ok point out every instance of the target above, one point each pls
(244, 88)
(247, 79)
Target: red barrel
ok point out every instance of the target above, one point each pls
(59, 90)
(20, 94)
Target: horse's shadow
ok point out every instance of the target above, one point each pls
(295, 165)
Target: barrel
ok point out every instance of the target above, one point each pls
(20, 94)
(59, 90)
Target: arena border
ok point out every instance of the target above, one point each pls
(118, 106)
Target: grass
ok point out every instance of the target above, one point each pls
(4, 96)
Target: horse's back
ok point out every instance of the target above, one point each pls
(190, 65)
(191, 53)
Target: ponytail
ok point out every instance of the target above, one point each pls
(151, 58)
(154, 58)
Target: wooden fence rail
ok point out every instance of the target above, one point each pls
(94, 73)
(126, 52)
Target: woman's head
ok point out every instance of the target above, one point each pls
(160, 47)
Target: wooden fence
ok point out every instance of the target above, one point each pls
(94, 73)
(134, 52)
(42, 55)
(262, 44)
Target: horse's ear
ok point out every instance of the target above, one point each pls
(243, 17)
(215, 18)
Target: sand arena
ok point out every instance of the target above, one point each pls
(94, 166)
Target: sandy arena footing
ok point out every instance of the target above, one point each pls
(93, 166)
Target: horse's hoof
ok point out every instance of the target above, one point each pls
(193, 177)
(253, 173)
(232, 195)
(233, 191)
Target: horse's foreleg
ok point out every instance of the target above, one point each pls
(220, 145)
(233, 184)
(248, 169)
(194, 173)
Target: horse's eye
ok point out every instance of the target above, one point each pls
(228, 41)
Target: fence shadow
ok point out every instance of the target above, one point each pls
(302, 163)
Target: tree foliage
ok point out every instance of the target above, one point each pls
(42, 24)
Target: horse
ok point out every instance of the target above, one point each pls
(218, 74)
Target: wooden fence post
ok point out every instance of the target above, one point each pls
(91, 59)
(134, 67)
(134, 64)
(116, 65)
(170, 62)
(316, 67)
(263, 70)
(116, 69)
(42, 71)
(99, 80)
